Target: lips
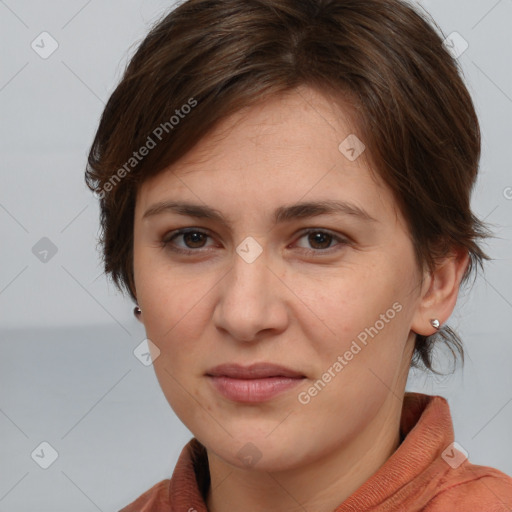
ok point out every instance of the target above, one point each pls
(251, 384)
(254, 371)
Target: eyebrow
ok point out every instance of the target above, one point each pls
(281, 215)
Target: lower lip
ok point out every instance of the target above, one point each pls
(253, 390)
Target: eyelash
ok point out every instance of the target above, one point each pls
(166, 241)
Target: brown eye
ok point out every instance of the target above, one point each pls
(193, 239)
(319, 241)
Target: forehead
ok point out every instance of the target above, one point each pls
(286, 148)
(300, 118)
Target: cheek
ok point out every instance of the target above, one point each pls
(174, 318)
(172, 302)
(368, 315)
(179, 368)
(347, 304)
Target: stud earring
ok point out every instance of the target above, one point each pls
(137, 311)
(435, 323)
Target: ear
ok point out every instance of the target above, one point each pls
(134, 293)
(439, 292)
(138, 316)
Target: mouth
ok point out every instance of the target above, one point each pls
(254, 371)
(256, 383)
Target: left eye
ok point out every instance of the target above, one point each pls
(195, 239)
(320, 240)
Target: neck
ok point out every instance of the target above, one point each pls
(322, 485)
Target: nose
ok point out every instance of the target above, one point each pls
(251, 300)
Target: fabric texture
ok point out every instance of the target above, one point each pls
(426, 473)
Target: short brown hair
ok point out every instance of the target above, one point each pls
(414, 113)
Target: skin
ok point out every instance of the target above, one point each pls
(291, 307)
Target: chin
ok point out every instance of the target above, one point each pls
(258, 453)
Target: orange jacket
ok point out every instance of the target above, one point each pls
(426, 473)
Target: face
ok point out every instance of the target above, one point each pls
(327, 290)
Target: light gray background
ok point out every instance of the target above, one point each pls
(67, 369)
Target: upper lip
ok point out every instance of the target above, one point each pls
(254, 371)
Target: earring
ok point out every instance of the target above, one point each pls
(137, 311)
(435, 323)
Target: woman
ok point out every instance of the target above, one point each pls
(285, 193)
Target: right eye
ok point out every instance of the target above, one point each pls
(193, 239)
